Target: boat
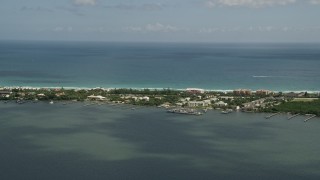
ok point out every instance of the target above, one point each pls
(51, 102)
(226, 111)
(184, 111)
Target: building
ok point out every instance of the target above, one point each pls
(221, 104)
(243, 92)
(93, 97)
(145, 98)
(254, 104)
(195, 90)
(264, 92)
(5, 93)
(199, 103)
(226, 98)
(41, 95)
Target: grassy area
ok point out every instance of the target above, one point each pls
(310, 107)
(304, 99)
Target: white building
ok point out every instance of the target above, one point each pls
(221, 104)
(93, 97)
(199, 103)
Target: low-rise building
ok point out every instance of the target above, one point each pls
(226, 98)
(199, 103)
(244, 92)
(195, 90)
(264, 92)
(99, 98)
(221, 104)
(5, 93)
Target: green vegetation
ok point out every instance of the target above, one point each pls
(311, 107)
(295, 103)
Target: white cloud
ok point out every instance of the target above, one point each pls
(156, 27)
(315, 2)
(248, 3)
(84, 2)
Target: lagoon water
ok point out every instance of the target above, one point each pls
(280, 67)
(43, 141)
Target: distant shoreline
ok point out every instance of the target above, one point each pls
(151, 88)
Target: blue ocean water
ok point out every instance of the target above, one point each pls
(281, 67)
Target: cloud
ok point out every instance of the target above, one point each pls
(247, 3)
(156, 27)
(84, 2)
(315, 2)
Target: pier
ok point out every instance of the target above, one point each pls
(309, 118)
(295, 115)
(268, 117)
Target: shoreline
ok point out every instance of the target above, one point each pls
(142, 88)
(268, 116)
(240, 99)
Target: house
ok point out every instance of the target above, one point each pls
(199, 103)
(254, 104)
(221, 104)
(93, 97)
(226, 98)
(214, 99)
(5, 93)
(145, 98)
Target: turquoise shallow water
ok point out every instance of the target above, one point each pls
(281, 67)
(42, 141)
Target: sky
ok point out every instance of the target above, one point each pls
(161, 20)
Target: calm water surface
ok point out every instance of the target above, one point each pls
(42, 141)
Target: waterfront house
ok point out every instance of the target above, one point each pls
(199, 103)
(5, 93)
(221, 104)
(99, 98)
(145, 98)
(254, 104)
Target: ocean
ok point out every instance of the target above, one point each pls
(278, 67)
(43, 141)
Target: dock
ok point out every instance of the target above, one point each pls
(294, 115)
(268, 117)
(309, 118)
